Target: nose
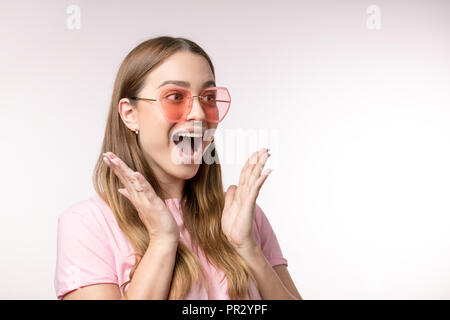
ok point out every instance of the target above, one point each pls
(197, 112)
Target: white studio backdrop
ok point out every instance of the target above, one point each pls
(353, 95)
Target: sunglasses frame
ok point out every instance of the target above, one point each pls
(191, 100)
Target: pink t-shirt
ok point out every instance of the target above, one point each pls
(92, 249)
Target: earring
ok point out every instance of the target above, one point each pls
(136, 131)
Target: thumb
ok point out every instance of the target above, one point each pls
(124, 192)
(229, 196)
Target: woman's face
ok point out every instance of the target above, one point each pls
(155, 132)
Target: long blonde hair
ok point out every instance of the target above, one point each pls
(203, 198)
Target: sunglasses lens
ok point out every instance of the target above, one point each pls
(215, 103)
(174, 103)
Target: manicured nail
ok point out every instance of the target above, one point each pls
(106, 160)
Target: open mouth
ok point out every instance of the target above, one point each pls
(189, 144)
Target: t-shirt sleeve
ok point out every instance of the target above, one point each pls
(267, 239)
(84, 256)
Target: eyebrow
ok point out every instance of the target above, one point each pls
(187, 84)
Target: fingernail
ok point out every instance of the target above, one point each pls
(106, 160)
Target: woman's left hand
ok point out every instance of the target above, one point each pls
(238, 212)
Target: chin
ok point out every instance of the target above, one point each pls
(186, 167)
(185, 171)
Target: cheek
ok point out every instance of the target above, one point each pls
(212, 127)
(155, 132)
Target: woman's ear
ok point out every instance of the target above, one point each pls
(128, 113)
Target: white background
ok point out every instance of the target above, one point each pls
(359, 195)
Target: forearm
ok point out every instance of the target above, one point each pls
(153, 276)
(269, 284)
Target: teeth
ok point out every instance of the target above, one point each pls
(190, 135)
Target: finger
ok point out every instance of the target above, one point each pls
(244, 168)
(123, 177)
(112, 161)
(135, 183)
(114, 168)
(146, 187)
(256, 173)
(261, 154)
(124, 173)
(122, 168)
(247, 164)
(141, 199)
(120, 164)
(138, 198)
(255, 160)
(125, 193)
(259, 182)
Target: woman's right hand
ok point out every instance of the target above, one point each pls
(152, 210)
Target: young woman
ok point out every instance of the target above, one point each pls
(160, 225)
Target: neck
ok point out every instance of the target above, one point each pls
(172, 187)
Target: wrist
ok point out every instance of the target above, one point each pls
(255, 258)
(251, 248)
(165, 242)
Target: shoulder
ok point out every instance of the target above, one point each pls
(85, 227)
(85, 247)
(260, 216)
(91, 213)
(263, 227)
(267, 238)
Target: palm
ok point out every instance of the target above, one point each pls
(238, 213)
(234, 224)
